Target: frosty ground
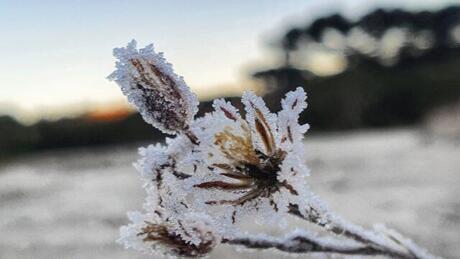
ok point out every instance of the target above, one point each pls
(70, 204)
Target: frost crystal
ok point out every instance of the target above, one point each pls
(149, 82)
(224, 166)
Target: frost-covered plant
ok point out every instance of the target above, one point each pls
(224, 166)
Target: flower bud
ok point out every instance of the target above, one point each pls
(162, 98)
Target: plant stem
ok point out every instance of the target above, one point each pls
(309, 244)
(372, 241)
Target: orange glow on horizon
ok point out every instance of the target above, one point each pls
(106, 115)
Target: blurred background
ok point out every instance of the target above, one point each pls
(384, 107)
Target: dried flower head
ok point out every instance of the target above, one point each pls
(253, 163)
(149, 82)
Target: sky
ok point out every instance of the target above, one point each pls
(56, 55)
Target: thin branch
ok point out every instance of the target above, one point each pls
(317, 218)
(371, 240)
(305, 243)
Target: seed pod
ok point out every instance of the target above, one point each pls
(191, 235)
(163, 98)
(175, 244)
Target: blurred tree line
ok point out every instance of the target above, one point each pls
(393, 68)
(399, 66)
(84, 130)
(71, 132)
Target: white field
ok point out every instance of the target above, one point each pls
(70, 204)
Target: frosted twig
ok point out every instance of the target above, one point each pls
(310, 244)
(225, 165)
(384, 242)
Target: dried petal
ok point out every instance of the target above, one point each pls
(292, 105)
(261, 121)
(149, 82)
(220, 105)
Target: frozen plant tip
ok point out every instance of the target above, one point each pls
(149, 82)
(225, 166)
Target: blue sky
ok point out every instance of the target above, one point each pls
(56, 54)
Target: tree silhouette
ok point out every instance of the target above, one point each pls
(381, 85)
(438, 24)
